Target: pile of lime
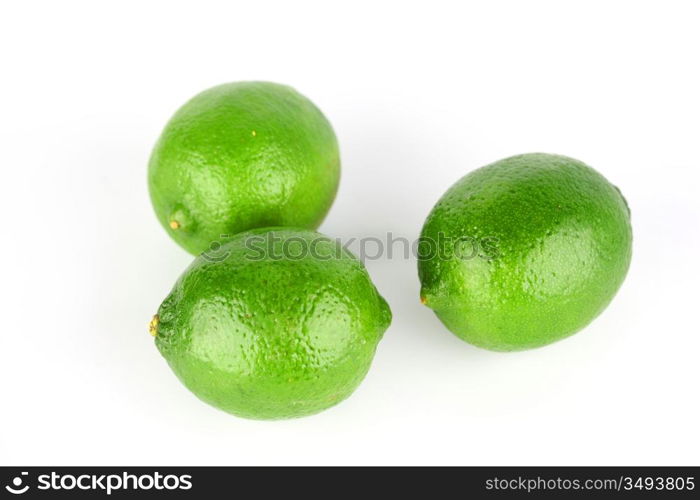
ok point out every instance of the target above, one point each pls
(275, 320)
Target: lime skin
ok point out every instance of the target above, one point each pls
(240, 156)
(549, 244)
(279, 323)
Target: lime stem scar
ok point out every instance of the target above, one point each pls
(153, 325)
(174, 224)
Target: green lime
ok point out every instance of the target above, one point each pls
(525, 251)
(241, 156)
(277, 323)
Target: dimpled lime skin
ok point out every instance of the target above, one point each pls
(554, 242)
(241, 156)
(266, 337)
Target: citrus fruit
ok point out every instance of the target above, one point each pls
(278, 323)
(525, 251)
(240, 156)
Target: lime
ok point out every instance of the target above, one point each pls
(277, 323)
(525, 251)
(240, 156)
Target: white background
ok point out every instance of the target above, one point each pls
(419, 94)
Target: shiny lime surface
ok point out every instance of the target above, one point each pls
(278, 323)
(550, 243)
(240, 156)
